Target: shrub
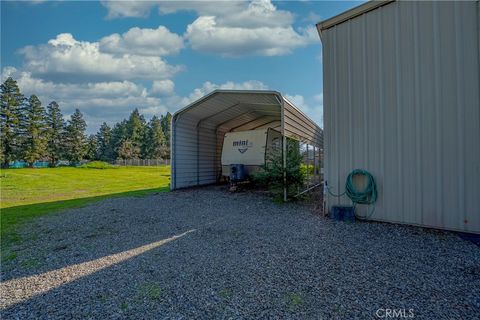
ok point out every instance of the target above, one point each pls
(271, 175)
(97, 165)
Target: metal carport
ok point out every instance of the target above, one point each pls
(198, 130)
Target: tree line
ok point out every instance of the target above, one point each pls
(31, 132)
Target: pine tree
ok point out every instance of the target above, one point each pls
(34, 146)
(55, 133)
(155, 144)
(136, 132)
(92, 148)
(127, 150)
(166, 127)
(104, 141)
(75, 139)
(119, 134)
(12, 104)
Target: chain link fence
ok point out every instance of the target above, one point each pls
(141, 162)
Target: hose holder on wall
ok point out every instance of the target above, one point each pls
(367, 196)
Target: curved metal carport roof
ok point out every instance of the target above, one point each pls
(198, 130)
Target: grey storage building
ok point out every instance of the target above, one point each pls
(199, 128)
(401, 100)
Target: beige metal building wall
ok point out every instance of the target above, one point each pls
(401, 90)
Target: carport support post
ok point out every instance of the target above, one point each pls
(198, 153)
(284, 150)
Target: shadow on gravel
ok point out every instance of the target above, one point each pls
(132, 289)
(21, 233)
(44, 283)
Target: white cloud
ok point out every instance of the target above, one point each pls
(312, 17)
(66, 59)
(222, 8)
(120, 9)
(163, 87)
(144, 42)
(8, 71)
(256, 28)
(318, 98)
(204, 34)
(245, 14)
(258, 14)
(112, 101)
(208, 87)
(298, 101)
(229, 28)
(314, 112)
(141, 9)
(99, 101)
(31, 85)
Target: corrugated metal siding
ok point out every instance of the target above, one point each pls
(401, 99)
(297, 125)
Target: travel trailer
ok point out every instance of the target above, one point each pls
(249, 148)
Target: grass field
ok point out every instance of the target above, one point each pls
(28, 193)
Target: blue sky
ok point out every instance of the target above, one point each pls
(107, 58)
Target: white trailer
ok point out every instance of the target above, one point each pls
(249, 148)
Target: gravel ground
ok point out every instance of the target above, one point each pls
(206, 253)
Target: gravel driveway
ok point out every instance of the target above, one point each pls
(206, 253)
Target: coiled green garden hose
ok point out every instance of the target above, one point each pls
(367, 196)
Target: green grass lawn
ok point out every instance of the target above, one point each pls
(28, 193)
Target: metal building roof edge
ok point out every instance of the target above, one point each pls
(301, 112)
(219, 91)
(350, 14)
